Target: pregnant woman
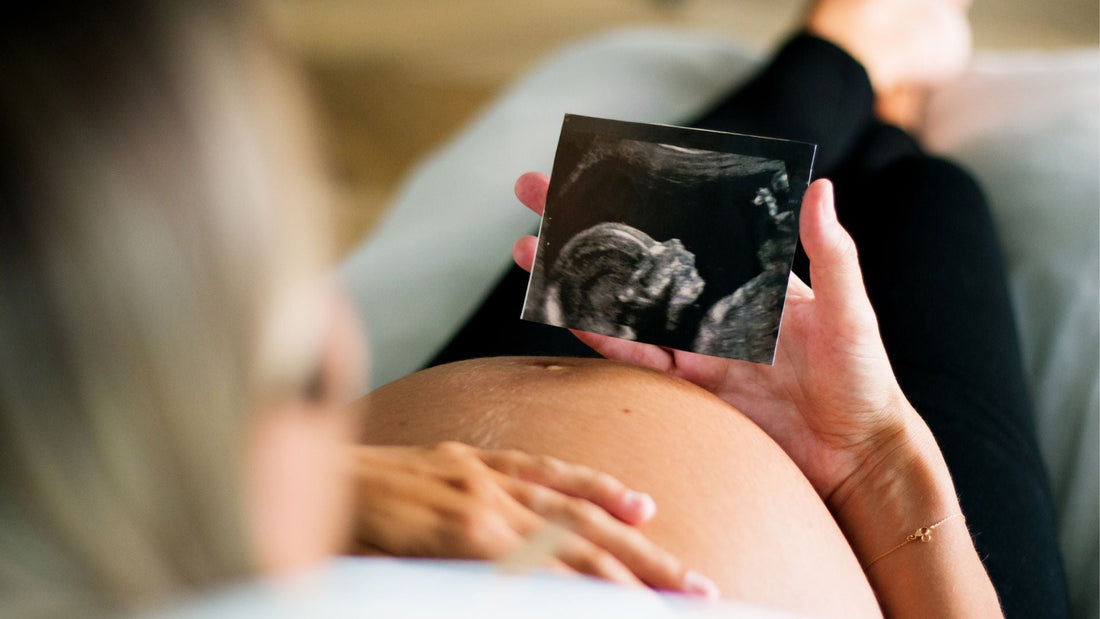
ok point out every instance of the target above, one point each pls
(894, 426)
(172, 377)
(828, 478)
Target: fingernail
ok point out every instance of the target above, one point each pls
(642, 503)
(697, 584)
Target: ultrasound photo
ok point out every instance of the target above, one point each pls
(677, 237)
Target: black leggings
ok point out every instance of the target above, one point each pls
(935, 275)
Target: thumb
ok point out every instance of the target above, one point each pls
(835, 276)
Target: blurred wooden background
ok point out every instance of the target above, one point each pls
(394, 78)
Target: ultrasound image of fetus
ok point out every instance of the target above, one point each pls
(614, 279)
(674, 237)
(743, 325)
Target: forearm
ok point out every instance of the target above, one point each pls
(906, 489)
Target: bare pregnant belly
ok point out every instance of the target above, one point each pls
(730, 502)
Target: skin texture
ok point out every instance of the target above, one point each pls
(731, 504)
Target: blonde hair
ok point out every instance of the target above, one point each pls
(157, 209)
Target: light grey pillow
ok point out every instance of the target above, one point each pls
(1027, 125)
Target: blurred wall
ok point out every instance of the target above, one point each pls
(394, 78)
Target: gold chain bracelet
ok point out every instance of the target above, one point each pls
(923, 534)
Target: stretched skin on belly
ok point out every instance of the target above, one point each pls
(730, 503)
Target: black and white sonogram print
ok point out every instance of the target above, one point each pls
(676, 237)
(615, 279)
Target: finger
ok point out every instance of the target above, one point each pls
(798, 289)
(627, 545)
(538, 548)
(363, 548)
(531, 189)
(523, 252)
(834, 264)
(646, 355)
(581, 555)
(575, 480)
(544, 544)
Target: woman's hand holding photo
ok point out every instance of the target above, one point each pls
(832, 402)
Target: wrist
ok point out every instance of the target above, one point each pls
(904, 485)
